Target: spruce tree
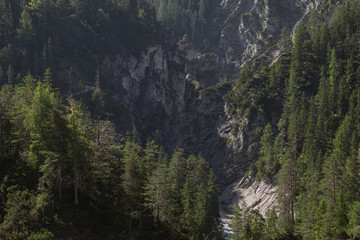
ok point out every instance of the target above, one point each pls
(10, 75)
(267, 163)
(320, 223)
(133, 180)
(78, 143)
(26, 30)
(340, 218)
(354, 220)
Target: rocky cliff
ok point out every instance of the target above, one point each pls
(250, 28)
(179, 90)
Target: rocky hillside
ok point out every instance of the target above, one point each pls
(131, 71)
(179, 88)
(250, 28)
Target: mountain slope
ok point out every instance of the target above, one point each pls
(211, 92)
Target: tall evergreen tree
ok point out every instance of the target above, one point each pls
(78, 148)
(267, 163)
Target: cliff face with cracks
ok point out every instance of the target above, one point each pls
(251, 28)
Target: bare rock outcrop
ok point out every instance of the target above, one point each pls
(252, 27)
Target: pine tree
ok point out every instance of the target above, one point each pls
(26, 30)
(240, 223)
(6, 24)
(188, 201)
(344, 88)
(334, 170)
(78, 143)
(271, 226)
(307, 205)
(257, 225)
(354, 220)
(158, 192)
(104, 159)
(320, 43)
(48, 78)
(151, 155)
(177, 169)
(320, 221)
(352, 178)
(24, 215)
(48, 131)
(133, 180)
(10, 75)
(285, 39)
(340, 218)
(334, 79)
(266, 163)
(287, 192)
(298, 73)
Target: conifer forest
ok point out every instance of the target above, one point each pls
(162, 119)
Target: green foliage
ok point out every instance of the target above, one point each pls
(354, 220)
(63, 174)
(186, 17)
(267, 164)
(317, 140)
(271, 224)
(247, 224)
(199, 199)
(60, 168)
(34, 35)
(320, 224)
(25, 213)
(133, 173)
(26, 28)
(10, 75)
(247, 96)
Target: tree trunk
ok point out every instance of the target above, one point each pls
(60, 184)
(76, 184)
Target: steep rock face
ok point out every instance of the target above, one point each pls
(242, 136)
(149, 79)
(195, 129)
(178, 89)
(252, 27)
(146, 90)
(171, 87)
(161, 90)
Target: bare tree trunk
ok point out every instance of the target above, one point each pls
(76, 184)
(60, 182)
(157, 213)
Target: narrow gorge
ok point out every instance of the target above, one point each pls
(179, 119)
(179, 89)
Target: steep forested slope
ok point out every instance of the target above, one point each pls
(68, 173)
(290, 119)
(313, 150)
(64, 175)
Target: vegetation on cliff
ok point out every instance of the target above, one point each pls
(66, 172)
(314, 147)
